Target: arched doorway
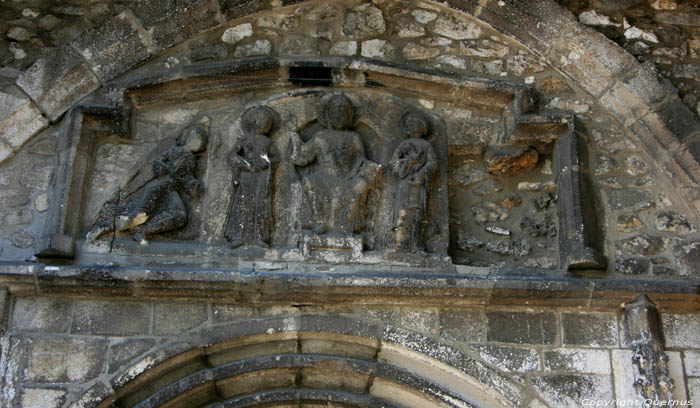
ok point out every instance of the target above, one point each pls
(352, 365)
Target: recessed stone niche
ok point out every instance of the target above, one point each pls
(330, 160)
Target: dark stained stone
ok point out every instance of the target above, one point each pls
(688, 255)
(632, 266)
(521, 327)
(592, 330)
(627, 199)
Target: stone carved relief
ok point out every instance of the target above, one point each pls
(340, 176)
(414, 163)
(252, 160)
(158, 205)
(303, 174)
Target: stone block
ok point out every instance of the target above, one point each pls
(694, 389)
(688, 255)
(522, 327)
(19, 121)
(627, 106)
(234, 9)
(113, 47)
(623, 372)
(589, 329)
(169, 24)
(461, 325)
(583, 361)
(691, 359)
(122, 352)
(509, 359)
(569, 391)
(171, 318)
(681, 330)
(43, 398)
(679, 120)
(648, 86)
(58, 81)
(97, 393)
(65, 359)
(590, 58)
(112, 318)
(627, 199)
(338, 345)
(5, 151)
(41, 314)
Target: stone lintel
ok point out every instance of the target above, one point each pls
(329, 284)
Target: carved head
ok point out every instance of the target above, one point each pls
(337, 112)
(194, 138)
(257, 120)
(413, 125)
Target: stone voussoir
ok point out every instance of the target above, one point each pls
(57, 81)
(115, 46)
(19, 121)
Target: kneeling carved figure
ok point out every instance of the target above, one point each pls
(159, 206)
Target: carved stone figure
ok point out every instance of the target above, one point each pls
(341, 176)
(252, 162)
(414, 162)
(159, 206)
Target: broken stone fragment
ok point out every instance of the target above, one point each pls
(510, 161)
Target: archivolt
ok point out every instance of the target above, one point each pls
(304, 368)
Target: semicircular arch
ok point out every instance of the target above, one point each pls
(306, 360)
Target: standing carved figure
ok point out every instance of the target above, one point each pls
(414, 162)
(341, 178)
(252, 162)
(159, 207)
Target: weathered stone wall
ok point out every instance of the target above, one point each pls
(56, 350)
(634, 132)
(664, 32)
(646, 227)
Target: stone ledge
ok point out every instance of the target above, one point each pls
(482, 286)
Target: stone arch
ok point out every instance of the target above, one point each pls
(303, 360)
(631, 92)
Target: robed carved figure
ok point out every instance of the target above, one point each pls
(414, 163)
(159, 206)
(252, 162)
(341, 176)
